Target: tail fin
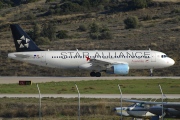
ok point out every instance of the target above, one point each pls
(21, 40)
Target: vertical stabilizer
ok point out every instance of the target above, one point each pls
(21, 40)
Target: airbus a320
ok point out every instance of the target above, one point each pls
(96, 61)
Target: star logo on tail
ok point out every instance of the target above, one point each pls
(23, 42)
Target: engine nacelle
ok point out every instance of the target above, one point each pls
(122, 69)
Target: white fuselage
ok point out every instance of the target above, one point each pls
(136, 59)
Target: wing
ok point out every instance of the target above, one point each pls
(144, 102)
(105, 62)
(166, 105)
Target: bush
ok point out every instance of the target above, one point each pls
(131, 22)
(42, 41)
(138, 4)
(30, 16)
(70, 7)
(106, 35)
(104, 28)
(62, 34)
(147, 17)
(49, 31)
(175, 11)
(94, 35)
(99, 32)
(94, 27)
(49, 1)
(82, 28)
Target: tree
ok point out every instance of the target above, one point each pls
(86, 4)
(94, 27)
(49, 31)
(139, 4)
(82, 28)
(131, 22)
(62, 34)
(36, 31)
(42, 41)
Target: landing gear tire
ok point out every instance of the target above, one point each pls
(98, 74)
(92, 74)
(151, 72)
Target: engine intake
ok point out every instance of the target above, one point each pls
(122, 69)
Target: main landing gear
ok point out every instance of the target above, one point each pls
(151, 72)
(95, 74)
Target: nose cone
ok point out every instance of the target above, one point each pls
(171, 62)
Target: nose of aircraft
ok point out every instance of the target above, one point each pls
(171, 61)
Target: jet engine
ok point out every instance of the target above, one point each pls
(122, 69)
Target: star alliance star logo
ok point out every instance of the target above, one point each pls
(23, 42)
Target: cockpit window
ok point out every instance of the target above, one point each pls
(164, 56)
(140, 104)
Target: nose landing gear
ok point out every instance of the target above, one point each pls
(151, 72)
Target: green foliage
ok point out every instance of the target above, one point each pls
(86, 4)
(5, 3)
(42, 41)
(94, 27)
(73, 6)
(131, 22)
(147, 17)
(104, 28)
(62, 34)
(1, 5)
(49, 1)
(42, 36)
(175, 11)
(98, 87)
(106, 35)
(36, 31)
(69, 7)
(99, 32)
(30, 16)
(94, 35)
(138, 4)
(49, 31)
(82, 28)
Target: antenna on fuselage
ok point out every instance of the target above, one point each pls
(149, 49)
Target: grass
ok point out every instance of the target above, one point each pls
(60, 108)
(149, 86)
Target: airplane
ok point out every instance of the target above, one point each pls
(170, 109)
(97, 61)
(136, 110)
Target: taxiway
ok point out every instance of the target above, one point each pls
(14, 79)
